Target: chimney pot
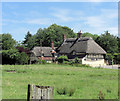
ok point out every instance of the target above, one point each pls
(64, 37)
(52, 45)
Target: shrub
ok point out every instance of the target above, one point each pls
(41, 61)
(62, 58)
(12, 56)
(77, 60)
(22, 58)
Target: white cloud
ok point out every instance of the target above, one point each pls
(61, 14)
(66, 15)
(40, 21)
(106, 20)
(94, 21)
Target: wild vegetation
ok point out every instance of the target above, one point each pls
(69, 82)
(16, 52)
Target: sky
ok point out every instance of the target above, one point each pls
(95, 17)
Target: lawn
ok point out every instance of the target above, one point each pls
(86, 83)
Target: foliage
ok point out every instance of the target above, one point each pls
(118, 39)
(62, 91)
(77, 60)
(118, 59)
(23, 49)
(22, 58)
(108, 42)
(109, 57)
(87, 34)
(66, 91)
(0, 41)
(41, 61)
(8, 42)
(62, 58)
(54, 33)
(27, 37)
(31, 42)
(9, 56)
(13, 56)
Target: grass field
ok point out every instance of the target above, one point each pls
(84, 82)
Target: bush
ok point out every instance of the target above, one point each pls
(41, 61)
(22, 58)
(77, 60)
(62, 58)
(12, 56)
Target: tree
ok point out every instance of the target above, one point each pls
(8, 42)
(27, 37)
(108, 42)
(29, 42)
(9, 56)
(118, 39)
(53, 33)
(22, 58)
(0, 41)
(13, 56)
(87, 34)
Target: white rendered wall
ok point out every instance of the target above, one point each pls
(94, 63)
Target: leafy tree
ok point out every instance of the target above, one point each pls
(118, 39)
(13, 56)
(108, 42)
(8, 42)
(109, 57)
(22, 58)
(9, 56)
(118, 59)
(87, 34)
(53, 33)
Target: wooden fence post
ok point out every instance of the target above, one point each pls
(39, 92)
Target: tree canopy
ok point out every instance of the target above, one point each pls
(13, 51)
(108, 42)
(8, 42)
(53, 33)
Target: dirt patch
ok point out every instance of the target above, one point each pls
(11, 71)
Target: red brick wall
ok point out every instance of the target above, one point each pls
(45, 58)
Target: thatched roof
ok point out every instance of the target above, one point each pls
(38, 51)
(80, 45)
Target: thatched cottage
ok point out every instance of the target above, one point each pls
(85, 48)
(43, 53)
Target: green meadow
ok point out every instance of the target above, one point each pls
(77, 82)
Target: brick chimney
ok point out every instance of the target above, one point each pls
(52, 45)
(64, 37)
(79, 34)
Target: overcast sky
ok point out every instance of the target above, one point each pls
(93, 17)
